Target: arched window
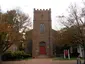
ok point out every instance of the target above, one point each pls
(42, 28)
(42, 43)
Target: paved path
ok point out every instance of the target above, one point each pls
(33, 61)
(41, 61)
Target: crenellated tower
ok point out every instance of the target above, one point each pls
(42, 43)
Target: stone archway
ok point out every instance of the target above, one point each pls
(42, 48)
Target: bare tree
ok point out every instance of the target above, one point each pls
(21, 21)
(76, 20)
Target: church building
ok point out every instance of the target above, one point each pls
(41, 34)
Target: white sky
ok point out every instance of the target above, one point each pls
(57, 6)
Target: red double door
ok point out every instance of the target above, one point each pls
(42, 50)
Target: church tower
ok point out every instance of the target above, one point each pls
(42, 42)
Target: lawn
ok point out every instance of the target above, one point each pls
(60, 58)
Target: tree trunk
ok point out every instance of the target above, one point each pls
(0, 59)
(84, 54)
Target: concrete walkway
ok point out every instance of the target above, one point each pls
(41, 61)
(30, 61)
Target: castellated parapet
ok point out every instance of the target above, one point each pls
(42, 9)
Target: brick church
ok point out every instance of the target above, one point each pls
(42, 33)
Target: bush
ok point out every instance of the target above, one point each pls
(74, 55)
(18, 55)
(7, 56)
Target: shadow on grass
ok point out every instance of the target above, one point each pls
(19, 59)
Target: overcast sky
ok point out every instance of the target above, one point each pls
(58, 7)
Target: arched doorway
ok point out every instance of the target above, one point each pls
(42, 46)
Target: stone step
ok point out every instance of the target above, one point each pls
(42, 56)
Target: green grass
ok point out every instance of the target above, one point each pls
(66, 59)
(27, 59)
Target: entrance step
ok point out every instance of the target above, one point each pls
(42, 56)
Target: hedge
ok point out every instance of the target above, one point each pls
(18, 55)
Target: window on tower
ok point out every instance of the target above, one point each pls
(42, 28)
